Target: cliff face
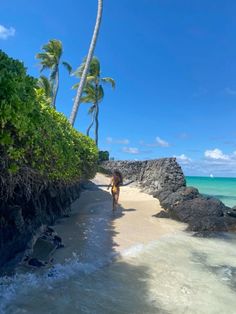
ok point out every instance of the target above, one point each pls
(21, 218)
(153, 175)
(164, 179)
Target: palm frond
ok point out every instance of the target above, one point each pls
(109, 80)
(94, 93)
(46, 61)
(89, 88)
(86, 99)
(90, 78)
(54, 48)
(45, 84)
(75, 86)
(51, 54)
(41, 56)
(77, 73)
(94, 69)
(53, 73)
(67, 66)
(44, 67)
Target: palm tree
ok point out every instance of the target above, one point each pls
(50, 59)
(90, 95)
(93, 91)
(87, 63)
(45, 85)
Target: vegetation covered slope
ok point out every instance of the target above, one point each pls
(37, 144)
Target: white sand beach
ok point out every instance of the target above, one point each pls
(93, 229)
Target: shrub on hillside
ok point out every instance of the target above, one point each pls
(35, 140)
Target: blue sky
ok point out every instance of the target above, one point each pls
(174, 63)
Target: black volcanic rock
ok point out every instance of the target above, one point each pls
(153, 176)
(232, 212)
(201, 213)
(21, 218)
(35, 262)
(162, 214)
(196, 208)
(207, 223)
(170, 199)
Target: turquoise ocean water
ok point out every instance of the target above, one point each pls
(221, 188)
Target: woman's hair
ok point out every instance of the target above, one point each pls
(118, 174)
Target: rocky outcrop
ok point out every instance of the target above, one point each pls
(202, 213)
(164, 179)
(21, 218)
(44, 247)
(153, 176)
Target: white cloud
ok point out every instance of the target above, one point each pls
(215, 162)
(131, 150)
(161, 142)
(216, 154)
(110, 140)
(183, 158)
(158, 142)
(6, 32)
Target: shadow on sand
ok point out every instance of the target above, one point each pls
(122, 286)
(115, 286)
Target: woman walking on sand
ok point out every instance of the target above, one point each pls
(116, 182)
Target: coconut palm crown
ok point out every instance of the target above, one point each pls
(50, 59)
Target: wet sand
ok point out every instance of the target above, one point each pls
(93, 230)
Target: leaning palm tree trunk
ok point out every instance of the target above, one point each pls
(87, 64)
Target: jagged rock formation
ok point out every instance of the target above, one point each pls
(164, 179)
(153, 175)
(203, 214)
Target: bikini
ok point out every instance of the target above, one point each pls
(115, 186)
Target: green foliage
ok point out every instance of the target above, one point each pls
(103, 155)
(34, 135)
(45, 85)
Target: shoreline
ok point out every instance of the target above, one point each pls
(93, 230)
(100, 260)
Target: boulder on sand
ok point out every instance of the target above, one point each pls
(200, 212)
